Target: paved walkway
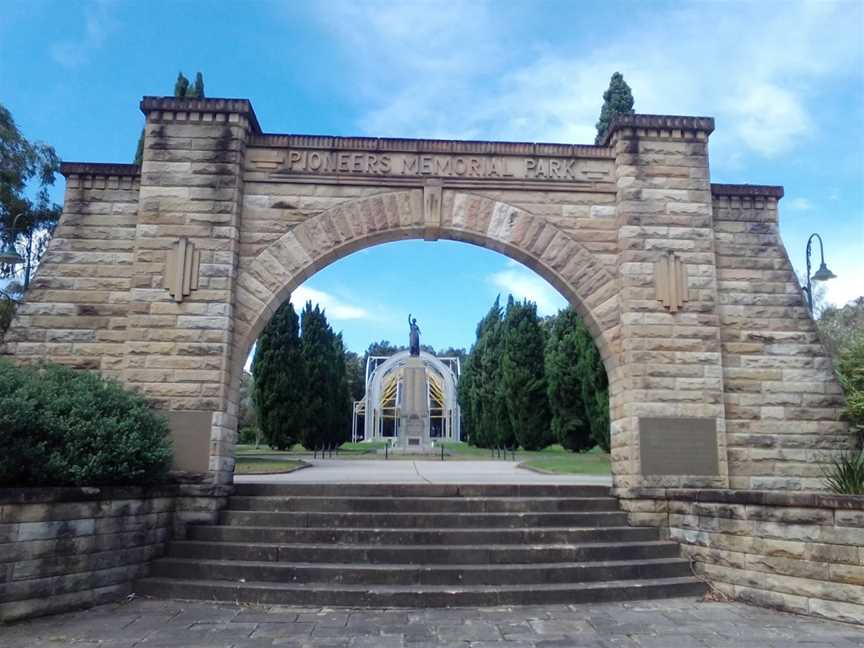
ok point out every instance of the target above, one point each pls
(421, 471)
(675, 623)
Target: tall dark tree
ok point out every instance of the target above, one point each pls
(181, 85)
(280, 391)
(198, 89)
(183, 89)
(27, 214)
(489, 420)
(356, 372)
(570, 425)
(328, 400)
(617, 100)
(595, 386)
(523, 379)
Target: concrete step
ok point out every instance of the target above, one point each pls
(376, 554)
(419, 595)
(422, 490)
(419, 504)
(396, 574)
(422, 521)
(447, 536)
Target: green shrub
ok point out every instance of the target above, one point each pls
(846, 475)
(64, 427)
(850, 367)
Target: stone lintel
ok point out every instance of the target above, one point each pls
(68, 169)
(428, 146)
(658, 122)
(202, 106)
(747, 497)
(747, 190)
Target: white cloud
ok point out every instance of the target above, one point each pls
(524, 284)
(798, 204)
(465, 70)
(335, 308)
(98, 23)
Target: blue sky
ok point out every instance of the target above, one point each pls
(784, 80)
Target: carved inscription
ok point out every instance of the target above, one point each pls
(493, 167)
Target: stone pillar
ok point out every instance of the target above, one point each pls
(414, 414)
(670, 418)
(180, 329)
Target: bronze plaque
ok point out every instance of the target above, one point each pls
(678, 446)
(190, 432)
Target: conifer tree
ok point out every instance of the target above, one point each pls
(182, 89)
(617, 100)
(595, 387)
(280, 380)
(181, 86)
(338, 429)
(523, 381)
(564, 384)
(197, 90)
(317, 345)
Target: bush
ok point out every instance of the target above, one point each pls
(64, 427)
(850, 368)
(846, 475)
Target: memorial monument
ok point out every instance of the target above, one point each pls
(414, 398)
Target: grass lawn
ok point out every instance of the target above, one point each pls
(256, 465)
(571, 463)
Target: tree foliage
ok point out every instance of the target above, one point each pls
(841, 327)
(570, 425)
(328, 403)
(523, 377)
(617, 100)
(850, 369)
(280, 380)
(25, 222)
(183, 89)
(529, 382)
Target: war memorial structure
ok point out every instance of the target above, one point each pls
(724, 405)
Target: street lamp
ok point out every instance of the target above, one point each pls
(822, 274)
(9, 254)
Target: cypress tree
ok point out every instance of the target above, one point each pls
(316, 347)
(181, 89)
(595, 386)
(198, 89)
(523, 380)
(492, 424)
(280, 380)
(617, 100)
(465, 389)
(181, 86)
(564, 384)
(338, 430)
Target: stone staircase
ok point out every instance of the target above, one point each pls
(420, 545)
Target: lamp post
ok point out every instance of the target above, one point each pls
(822, 274)
(9, 255)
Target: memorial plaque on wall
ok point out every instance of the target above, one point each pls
(678, 446)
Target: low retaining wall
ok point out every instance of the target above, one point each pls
(800, 552)
(67, 548)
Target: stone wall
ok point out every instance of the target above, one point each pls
(77, 307)
(799, 552)
(67, 548)
(782, 399)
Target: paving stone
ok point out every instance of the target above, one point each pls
(680, 623)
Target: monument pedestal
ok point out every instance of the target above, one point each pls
(414, 416)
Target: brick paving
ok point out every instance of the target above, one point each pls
(673, 623)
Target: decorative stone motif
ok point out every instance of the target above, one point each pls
(670, 279)
(182, 269)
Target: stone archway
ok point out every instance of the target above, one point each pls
(161, 276)
(265, 281)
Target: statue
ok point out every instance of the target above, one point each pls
(413, 336)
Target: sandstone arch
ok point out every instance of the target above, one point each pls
(686, 285)
(266, 281)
